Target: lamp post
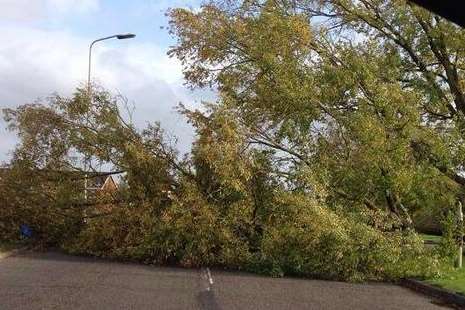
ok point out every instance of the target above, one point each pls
(460, 237)
(117, 36)
(89, 88)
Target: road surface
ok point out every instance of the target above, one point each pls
(55, 281)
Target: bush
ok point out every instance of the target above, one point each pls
(297, 236)
(320, 243)
(301, 238)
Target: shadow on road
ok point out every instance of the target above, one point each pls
(59, 256)
(207, 301)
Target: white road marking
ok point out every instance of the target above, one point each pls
(210, 279)
(206, 274)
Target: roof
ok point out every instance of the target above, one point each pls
(100, 181)
(95, 180)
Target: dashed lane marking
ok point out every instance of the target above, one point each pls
(210, 279)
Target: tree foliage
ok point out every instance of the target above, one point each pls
(364, 94)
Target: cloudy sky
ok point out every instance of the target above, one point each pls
(44, 49)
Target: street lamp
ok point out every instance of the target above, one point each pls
(89, 88)
(119, 37)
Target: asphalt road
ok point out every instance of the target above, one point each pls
(57, 281)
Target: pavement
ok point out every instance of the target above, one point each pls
(50, 280)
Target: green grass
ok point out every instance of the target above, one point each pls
(431, 238)
(453, 280)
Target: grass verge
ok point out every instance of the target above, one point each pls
(431, 238)
(453, 280)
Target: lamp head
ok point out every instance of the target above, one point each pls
(125, 36)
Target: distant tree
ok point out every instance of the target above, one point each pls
(61, 142)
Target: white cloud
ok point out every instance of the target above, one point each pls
(21, 10)
(35, 10)
(7, 142)
(35, 63)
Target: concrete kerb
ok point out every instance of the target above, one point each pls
(446, 296)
